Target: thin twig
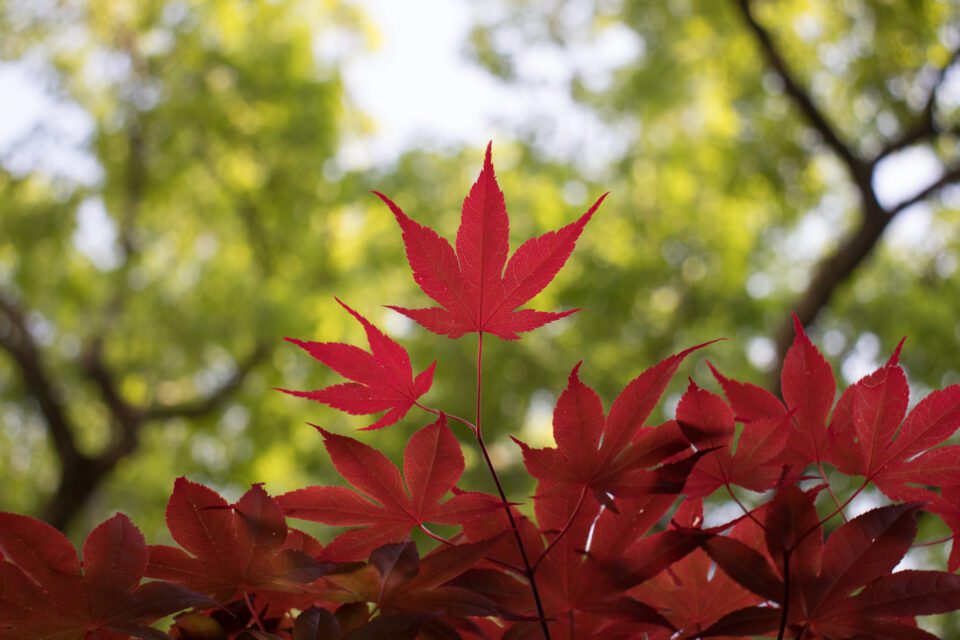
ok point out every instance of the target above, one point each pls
(450, 543)
(528, 570)
(836, 500)
(563, 531)
(784, 610)
(437, 412)
(253, 612)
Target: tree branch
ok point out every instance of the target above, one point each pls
(836, 268)
(925, 126)
(19, 343)
(859, 169)
(950, 176)
(203, 405)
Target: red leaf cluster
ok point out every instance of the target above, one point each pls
(616, 544)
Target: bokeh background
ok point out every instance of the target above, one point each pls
(184, 183)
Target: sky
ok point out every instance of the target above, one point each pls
(421, 90)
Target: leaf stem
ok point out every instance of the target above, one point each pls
(785, 608)
(435, 536)
(437, 412)
(743, 507)
(563, 532)
(839, 509)
(931, 543)
(479, 377)
(253, 612)
(836, 501)
(528, 570)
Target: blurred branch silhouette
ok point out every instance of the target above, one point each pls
(82, 473)
(837, 267)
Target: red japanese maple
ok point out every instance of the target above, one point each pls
(477, 289)
(47, 593)
(630, 534)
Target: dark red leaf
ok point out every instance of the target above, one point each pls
(44, 595)
(228, 550)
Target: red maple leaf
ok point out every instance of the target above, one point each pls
(611, 455)
(708, 422)
(594, 556)
(872, 435)
(410, 591)
(477, 289)
(232, 550)
(690, 594)
(44, 593)
(382, 378)
(838, 590)
(808, 388)
(383, 508)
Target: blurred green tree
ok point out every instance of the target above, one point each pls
(761, 150)
(230, 222)
(211, 127)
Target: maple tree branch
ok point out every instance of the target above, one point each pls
(19, 343)
(125, 418)
(563, 531)
(203, 405)
(950, 176)
(925, 126)
(837, 267)
(527, 569)
(858, 168)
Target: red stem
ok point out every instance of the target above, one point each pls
(566, 527)
(528, 570)
(786, 594)
(836, 501)
(437, 412)
(931, 543)
(435, 536)
(253, 612)
(743, 507)
(839, 509)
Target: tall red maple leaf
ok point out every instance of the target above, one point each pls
(477, 289)
(46, 595)
(381, 506)
(382, 379)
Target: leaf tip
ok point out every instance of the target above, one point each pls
(575, 373)
(520, 443)
(321, 430)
